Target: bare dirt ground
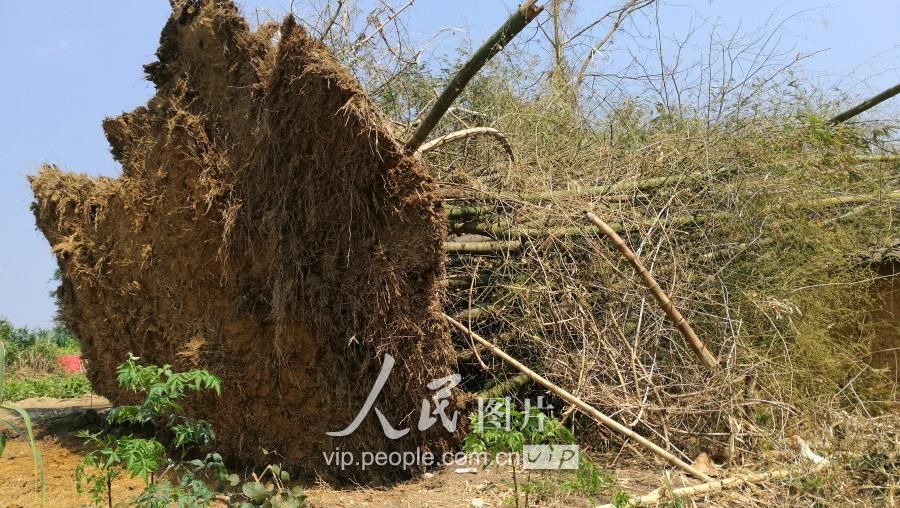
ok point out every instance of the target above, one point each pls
(61, 451)
(57, 422)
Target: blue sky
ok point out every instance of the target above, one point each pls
(70, 64)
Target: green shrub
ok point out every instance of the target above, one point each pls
(141, 457)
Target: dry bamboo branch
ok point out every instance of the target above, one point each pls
(709, 361)
(468, 133)
(580, 404)
(865, 105)
(524, 14)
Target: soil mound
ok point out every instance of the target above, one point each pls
(267, 227)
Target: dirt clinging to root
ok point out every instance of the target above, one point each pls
(266, 227)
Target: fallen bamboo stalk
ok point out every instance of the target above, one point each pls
(508, 232)
(869, 159)
(465, 212)
(851, 199)
(471, 313)
(481, 247)
(466, 281)
(658, 495)
(644, 184)
(629, 185)
(505, 387)
(709, 361)
(580, 404)
(865, 105)
(505, 231)
(661, 494)
(523, 15)
(468, 133)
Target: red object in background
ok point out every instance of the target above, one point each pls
(70, 363)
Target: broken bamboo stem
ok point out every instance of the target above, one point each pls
(706, 358)
(580, 404)
(468, 133)
(865, 105)
(524, 14)
(505, 231)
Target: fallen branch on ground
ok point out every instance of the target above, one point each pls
(644, 184)
(505, 387)
(869, 159)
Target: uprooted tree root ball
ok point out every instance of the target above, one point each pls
(266, 227)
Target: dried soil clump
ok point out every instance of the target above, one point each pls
(267, 227)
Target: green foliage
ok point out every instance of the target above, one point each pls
(589, 479)
(489, 433)
(620, 499)
(272, 492)
(188, 483)
(199, 482)
(31, 352)
(163, 389)
(56, 386)
(136, 456)
(25, 430)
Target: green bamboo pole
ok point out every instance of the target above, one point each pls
(505, 387)
(865, 105)
(496, 42)
(481, 247)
